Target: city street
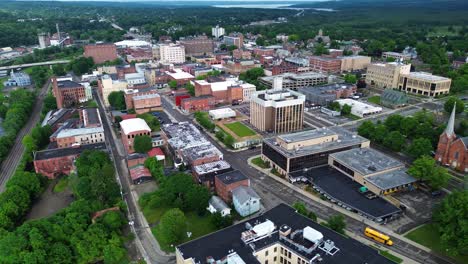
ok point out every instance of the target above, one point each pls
(273, 193)
(145, 241)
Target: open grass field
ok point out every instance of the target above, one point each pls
(374, 99)
(259, 162)
(427, 235)
(240, 129)
(61, 185)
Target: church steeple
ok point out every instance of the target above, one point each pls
(451, 123)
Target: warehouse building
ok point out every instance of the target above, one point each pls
(359, 108)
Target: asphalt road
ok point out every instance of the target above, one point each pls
(145, 241)
(8, 166)
(272, 193)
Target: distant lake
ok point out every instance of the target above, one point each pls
(272, 6)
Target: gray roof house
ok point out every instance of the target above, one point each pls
(246, 201)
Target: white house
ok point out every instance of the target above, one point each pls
(246, 201)
(216, 205)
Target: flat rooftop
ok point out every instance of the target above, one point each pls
(227, 243)
(211, 167)
(392, 179)
(343, 189)
(64, 152)
(345, 138)
(327, 88)
(366, 160)
(71, 132)
(92, 116)
(295, 76)
(426, 76)
(134, 125)
(183, 135)
(231, 177)
(68, 84)
(202, 151)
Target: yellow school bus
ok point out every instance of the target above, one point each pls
(377, 236)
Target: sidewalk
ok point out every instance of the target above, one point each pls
(336, 208)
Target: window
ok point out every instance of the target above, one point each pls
(274, 259)
(281, 259)
(289, 254)
(266, 253)
(266, 261)
(281, 250)
(275, 249)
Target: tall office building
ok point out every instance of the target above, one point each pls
(236, 39)
(172, 53)
(424, 83)
(217, 31)
(277, 110)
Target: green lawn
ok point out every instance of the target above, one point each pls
(353, 117)
(374, 99)
(4, 79)
(259, 162)
(428, 236)
(240, 129)
(197, 225)
(61, 185)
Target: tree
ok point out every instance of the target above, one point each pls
(151, 120)
(448, 106)
(156, 168)
(29, 144)
(346, 109)
(172, 84)
(49, 103)
(220, 221)
(59, 70)
(190, 88)
(366, 129)
(451, 220)
(197, 199)
(142, 144)
(420, 147)
(260, 41)
(320, 49)
(408, 126)
(232, 47)
(117, 100)
(229, 140)
(393, 122)
(380, 132)
(394, 141)
(337, 223)
(335, 106)
(172, 227)
(425, 169)
(350, 78)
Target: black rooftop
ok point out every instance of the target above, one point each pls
(231, 177)
(93, 117)
(68, 84)
(218, 245)
(64, 152)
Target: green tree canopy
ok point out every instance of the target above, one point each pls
(337, 223)
(448, 106)
(172, 227)
(426, 170)
(172, 84)
(142, 144)
(350, 78)
(117, 100)
(451, 218)
(394, 141)
(346, 109)
(420, 147)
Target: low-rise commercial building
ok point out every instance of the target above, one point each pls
(374, 170)
(132, 128)
(181, 77)
(307, 149)
(222, 113)
(108, 84)
(139, 174)
(54, 162)
(295, 81)
(239, 66)
(396, 55)
(225, 183)
(142, 101)
(80, 136)
(278, 236)
(325, 94)
(275, 110)
(201, 103)
(205, 173)
(201, 154)
(386, 75)
(359, 108)
(225, 91)
(424, 83)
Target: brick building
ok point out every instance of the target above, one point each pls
(205, 173)
(240, 54)
(179, 97)
(239, 66)
(132, 128)
(226, 182)
(235, 38)
(199, 45)
(101, 52)
(263, 52)
(180, 77)
(143, 100)
(54, 162)
(68, 93)
(135, 159)
(201, 103)
(225, 91)
(452, 151)
(324, 64)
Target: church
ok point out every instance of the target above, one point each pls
(452, 151)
